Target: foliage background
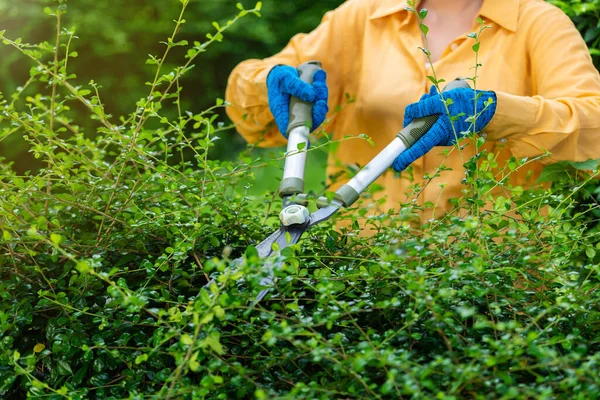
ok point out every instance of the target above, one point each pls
(117, 36)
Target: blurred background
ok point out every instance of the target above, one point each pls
(114, 39)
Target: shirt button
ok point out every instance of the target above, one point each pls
(453, 46)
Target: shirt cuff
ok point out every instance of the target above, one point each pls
(514, 117)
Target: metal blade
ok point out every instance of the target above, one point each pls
(265, 248)
(293, 233)
(321, 215)
(284, 237)
(324, 213)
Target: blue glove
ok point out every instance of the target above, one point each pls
(283, 81)
(441, 133)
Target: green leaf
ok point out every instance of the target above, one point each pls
(187, 339)
(424, 29)
(207, 318)
(588, 165)
(141, 358)
(205, 297)
(64, 368)
(56, 238)
(554, 172)
(219, 312)
(466, 312)
(83, 267)
(432, 79)
(213, 342)
(476, 47)
(171, 43)
(193, 363)
(590, 252)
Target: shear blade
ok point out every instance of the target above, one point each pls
(280, 237)
(284, 237)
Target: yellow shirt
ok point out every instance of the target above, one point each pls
(548, 91)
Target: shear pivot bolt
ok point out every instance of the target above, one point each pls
(293, 215)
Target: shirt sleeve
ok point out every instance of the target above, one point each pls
(563, 118)
(247, 90)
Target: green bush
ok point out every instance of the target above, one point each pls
(107, 251)
(587, 19)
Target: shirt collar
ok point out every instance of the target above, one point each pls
(504, 12)
(388, 7)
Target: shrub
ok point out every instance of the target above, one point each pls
(585, 16)
(108, 249)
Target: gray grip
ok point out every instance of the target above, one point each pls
(419, 126)
(301, 111)
(416, 129)
(458, 83)
(346, 195)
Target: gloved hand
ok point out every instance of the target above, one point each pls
(441, 133)
(283, 81)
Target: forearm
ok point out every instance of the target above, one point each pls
(247, 88)
(568, 128)
(248, 104)
(562, 114)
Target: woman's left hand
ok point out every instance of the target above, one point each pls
(461, 106)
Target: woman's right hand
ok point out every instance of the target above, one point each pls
(283, 82)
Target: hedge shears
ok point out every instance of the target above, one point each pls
(295, 217)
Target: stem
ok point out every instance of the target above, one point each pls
(53, 101)
(156, 76)
(436, 83)
(475, 189)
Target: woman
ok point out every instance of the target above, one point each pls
(535, 67)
